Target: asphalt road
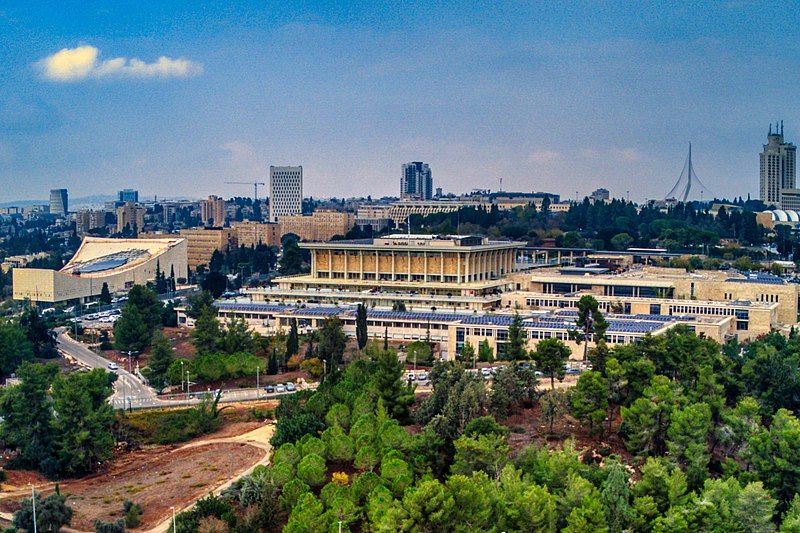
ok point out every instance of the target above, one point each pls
(130, 392)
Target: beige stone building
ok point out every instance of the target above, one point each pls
(202, 242)
(322, 225)
(253, 233)
(120, 263)
(89, 219)
(130, 215)
(671, 284)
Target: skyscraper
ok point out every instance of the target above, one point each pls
(777, 166)
(59, 203)
(285, 191)
(128, 195)
(416, 182)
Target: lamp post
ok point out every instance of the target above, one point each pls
(258, 387)
(33, 503)
(174, 526)
(181, 378)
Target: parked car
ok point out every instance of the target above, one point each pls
(422, 376)
(280, 387)
(410, 376)
(290, 387)
(270, 389)
(113, 366)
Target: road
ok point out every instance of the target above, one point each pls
(130, 392)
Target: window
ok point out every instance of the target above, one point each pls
(655, 309)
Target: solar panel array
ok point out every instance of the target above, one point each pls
(416, 316)
(319, 311)
(759, 277)
(633, 326)
(244, 306)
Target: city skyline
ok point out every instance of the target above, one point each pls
(172, 98)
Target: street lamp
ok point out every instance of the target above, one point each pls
(174, 526)
(33, 503)
(181, 376)
(258, 386)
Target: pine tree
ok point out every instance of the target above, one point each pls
(293, 342)
(361, 326)
(515, 347)
(105, 294)
(160, 360)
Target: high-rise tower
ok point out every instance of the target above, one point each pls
(777, 166)
(416, 182)
(285, 192)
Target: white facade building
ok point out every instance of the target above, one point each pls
(777, 168)
(285, 192)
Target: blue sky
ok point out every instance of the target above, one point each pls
(551, 96)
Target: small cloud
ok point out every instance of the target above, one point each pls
(544, 157)
(74, 64)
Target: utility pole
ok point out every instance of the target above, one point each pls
(33, 502)
(258, 387)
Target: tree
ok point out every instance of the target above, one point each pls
(388, 381)
(589, 400)
(207, 331)
(468, 354)
(160, 360)
(237, 337)
(647, 419)
(487, 453)
(27, 412)
(621, 241)
(52, 513)
(105, 294)
(332, 341)
(215, 283)
(131, 332)
(15, 348)
(291, 262)
(311, 470)
(687, 441)
(419, 352)
(590, 322)
(615, 494)
(293, 341)
(774, 454)
(554, 404)
(550, 357)
(515, 346)
(485, 352)
(361, 326)
(82, 425)
(36, 331)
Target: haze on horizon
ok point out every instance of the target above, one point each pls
(176, 98)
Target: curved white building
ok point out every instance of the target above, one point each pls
(121, 263)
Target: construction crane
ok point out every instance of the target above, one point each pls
(255, 185)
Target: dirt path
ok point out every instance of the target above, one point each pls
(186, 472)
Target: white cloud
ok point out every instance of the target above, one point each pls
(74, 64)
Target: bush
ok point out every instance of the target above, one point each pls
(109, 527)
(169, 427)
(292, 492)
(310, 444)
(293, 429)
(133, 514)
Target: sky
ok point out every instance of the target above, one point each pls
(178, 97)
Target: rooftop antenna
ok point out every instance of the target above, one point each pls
(501, 184)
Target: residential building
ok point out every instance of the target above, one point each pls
(250, 233)
(777, 167)
(21, 261)
(89, 219)
(599, 195)
(212, 211)
(285, 192)
(202, 242)
(416, 181)
(321, 225)
(128, 195)
(130, 216)
(375, 217)
(59, 202)
(120, 263)
(790, 199)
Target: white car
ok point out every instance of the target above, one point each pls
(113, 366)
(280, 387)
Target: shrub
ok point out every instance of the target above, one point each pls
(292, 492)
(340, 478)
(133, 514)
(109, 527)
(309, 444)
(294, 428)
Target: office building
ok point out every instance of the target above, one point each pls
(250, 233)
(321, 225)
(212, 211)
(130, 217)
(120, 263)
(777, 167)
(128, 195)
(416, 182)
(59, 202)
(201, 243)
(285, 192)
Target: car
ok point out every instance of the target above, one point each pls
(290, 387)
(486, 371)
(422, 376)
(573, 371)
(113, 366)
(280, 387)
(410, 376)
(270, 389)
